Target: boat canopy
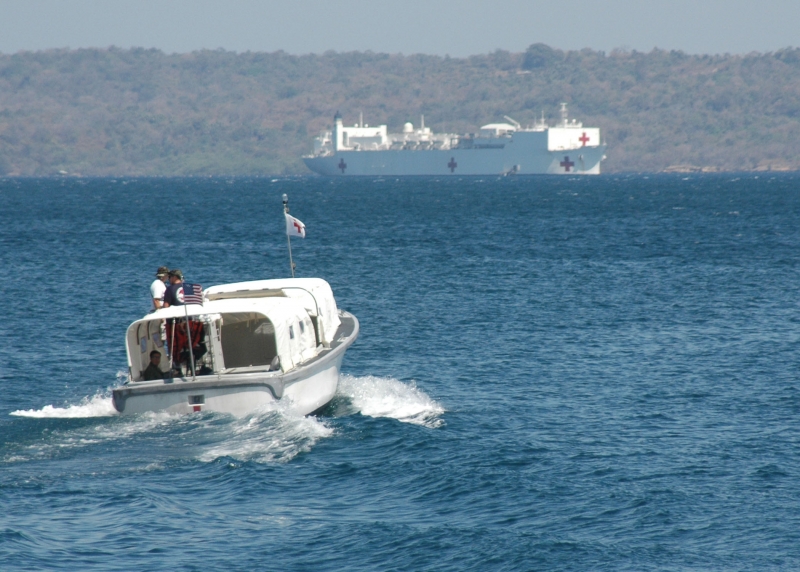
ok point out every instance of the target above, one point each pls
(314, 293)
(497, 129)
(242, 333)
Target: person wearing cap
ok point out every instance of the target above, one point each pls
(174, 294)
(159, 287)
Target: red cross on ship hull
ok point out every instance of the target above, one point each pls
(567, 164)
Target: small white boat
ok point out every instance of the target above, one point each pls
(262, 341)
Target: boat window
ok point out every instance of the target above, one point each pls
(248, 339)
(148, 335)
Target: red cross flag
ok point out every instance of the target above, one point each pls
(294, 227)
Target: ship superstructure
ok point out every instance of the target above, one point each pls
(505, 148)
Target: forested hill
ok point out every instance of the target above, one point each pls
(143, 112)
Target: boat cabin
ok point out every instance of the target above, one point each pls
(265, 325)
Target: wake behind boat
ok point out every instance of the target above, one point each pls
(259, 342)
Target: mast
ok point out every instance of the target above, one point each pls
(288, 238)
(189, 338)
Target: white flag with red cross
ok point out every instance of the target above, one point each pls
(294, 227)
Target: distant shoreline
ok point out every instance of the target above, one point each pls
(678, 170)
(116, 112)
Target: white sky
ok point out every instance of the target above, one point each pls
(458, 28)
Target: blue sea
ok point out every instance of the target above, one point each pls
(553, 373)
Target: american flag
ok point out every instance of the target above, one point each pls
(192, 294)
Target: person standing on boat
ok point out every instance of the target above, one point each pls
(174, 336)
(174, 294)
(159, 287)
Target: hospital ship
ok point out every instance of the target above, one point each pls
(506, 148)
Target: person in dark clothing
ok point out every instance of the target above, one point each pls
(153, 370)
(174, 294)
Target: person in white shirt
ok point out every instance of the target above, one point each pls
(158, 287)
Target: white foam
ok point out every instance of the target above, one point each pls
(99, 405)
(60, 440)
(387, 397)
(273, 434)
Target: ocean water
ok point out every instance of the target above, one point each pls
(552, 374)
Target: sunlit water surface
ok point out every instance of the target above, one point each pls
(552, 374)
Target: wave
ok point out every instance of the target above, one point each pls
(99, 405)
(272, 434)
(388, 397)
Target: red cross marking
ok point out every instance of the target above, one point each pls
(452, 164)
(583, 139)
(566, 163)
(342, 165)
(298, 227)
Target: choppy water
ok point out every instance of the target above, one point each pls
(553, 373)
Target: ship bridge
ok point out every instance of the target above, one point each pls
(497, 130)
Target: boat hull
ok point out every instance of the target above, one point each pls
(459, 162)
(305, 389)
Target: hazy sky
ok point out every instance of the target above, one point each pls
(458, 28)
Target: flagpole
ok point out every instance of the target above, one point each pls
(288, 238)
(172, 345)
(189, 338)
